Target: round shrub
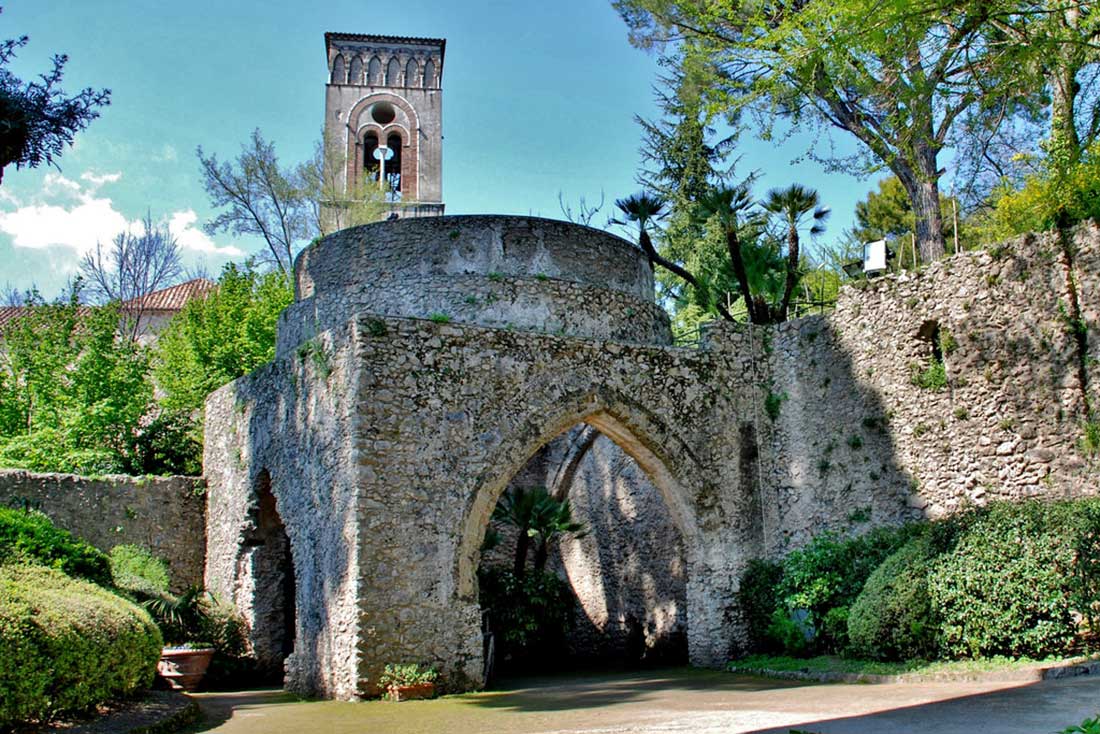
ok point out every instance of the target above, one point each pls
(822, 580)
(892, 619)
(67, 645)
(31, 535)
(1009, 587)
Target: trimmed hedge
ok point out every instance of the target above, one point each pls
(67, 645)
(31, 536)
(1016, 577)
(136, 569)
(892, 619)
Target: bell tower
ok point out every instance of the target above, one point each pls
(384, 106)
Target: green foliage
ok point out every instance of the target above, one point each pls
(821, 581)
(67, 645)
(31, 536)
(1088, 726)
(1013, 581)
(536, 516)
(1090, 438)
(758, 598)
(528, 615)
(233, 666)
(933, 377)
(440, 318)
(217, 339)
(406, 674)
(1060, 195)
(134, 568)
(893, 618)
(773, 402)
(72, 395)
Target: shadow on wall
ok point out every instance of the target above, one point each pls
(828, 458)
(628, 571)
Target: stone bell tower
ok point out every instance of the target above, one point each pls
(384, 102)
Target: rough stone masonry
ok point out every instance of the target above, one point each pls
(424, 362)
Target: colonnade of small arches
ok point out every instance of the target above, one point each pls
(398, 71)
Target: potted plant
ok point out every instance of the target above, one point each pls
(408, 681)
(183, 622)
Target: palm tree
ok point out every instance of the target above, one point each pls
(790, 206)
(729, 205)
(517, 508)
(645, 208)
(535, 515)
(552, 518)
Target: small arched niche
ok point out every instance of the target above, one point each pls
(339, 72)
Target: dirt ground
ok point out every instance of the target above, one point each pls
(679, 700)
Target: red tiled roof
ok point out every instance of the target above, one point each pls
(9, 314)
(167, 300)
(171, 299)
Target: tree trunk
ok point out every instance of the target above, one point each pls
(792, 274)
(924, 194)
(520, 564)
(542, 552)
(733, 244)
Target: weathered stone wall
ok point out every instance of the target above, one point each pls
(167, 515)
(521, 273)
(290, 424)
(855, 434)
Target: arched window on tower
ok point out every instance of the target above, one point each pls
(374, 72)
(429, 74)
(412, 74)
(393, 73)
(393, 165)
(339, 73)
(356, 75)
(370, 163)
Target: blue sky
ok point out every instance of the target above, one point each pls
(538, 98)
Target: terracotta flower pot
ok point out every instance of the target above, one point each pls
(184, 668)
(411, 692)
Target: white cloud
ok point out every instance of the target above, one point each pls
(98, 180)
(189, 237)
(72, 215)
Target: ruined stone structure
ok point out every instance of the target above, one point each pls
(426, 361)
(384, 106)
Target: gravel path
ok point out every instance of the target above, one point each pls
(674, 702)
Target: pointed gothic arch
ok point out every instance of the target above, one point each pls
(355, 71)
(393, 73)
(412, 74)
(339, 71)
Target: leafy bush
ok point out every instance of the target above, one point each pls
(1061, 195)
(893, 617)
(759, 598)
(134, 568)
(233, 665)
(821, 581)
(31, 536)
(409, 674)
(66, 644)
(528, 616)
(1013, 582)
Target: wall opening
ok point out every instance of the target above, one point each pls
(622, 579)
(273, 604)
